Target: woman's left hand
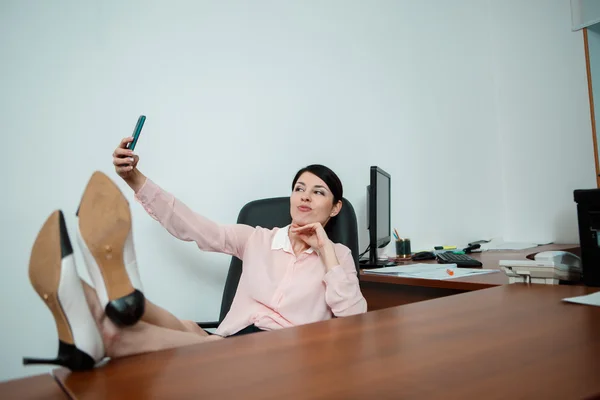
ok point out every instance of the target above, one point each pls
(312, 234)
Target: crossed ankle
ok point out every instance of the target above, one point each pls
(111, 336)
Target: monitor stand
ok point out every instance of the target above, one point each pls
(374, 262)
(367, 264)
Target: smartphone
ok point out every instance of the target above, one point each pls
(136, 132)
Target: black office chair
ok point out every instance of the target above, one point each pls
(275, 212)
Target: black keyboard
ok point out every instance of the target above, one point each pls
(461, 260)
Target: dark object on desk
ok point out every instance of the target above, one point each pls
(461, 260)
(588, 218)
(365, 263)
(378, 215)
(275, 212)
(423, 255)
(403, 248)
(479, 242)
(471, 247)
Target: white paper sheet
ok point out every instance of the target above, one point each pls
(429, 271)
(589, 299)
(501, 245)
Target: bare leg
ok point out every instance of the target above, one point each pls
(143, 337)
(156, 315)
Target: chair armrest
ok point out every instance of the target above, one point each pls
(207, 325)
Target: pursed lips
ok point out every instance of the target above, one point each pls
(304, 208)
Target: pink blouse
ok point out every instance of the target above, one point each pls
(277, 289)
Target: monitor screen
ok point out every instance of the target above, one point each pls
(378, 217)
(383, 206)
(378, 204)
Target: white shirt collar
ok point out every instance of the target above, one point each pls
(281, 241)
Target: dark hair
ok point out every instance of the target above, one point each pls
(327, 176)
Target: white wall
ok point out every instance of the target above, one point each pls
(240, 96)
(593, 33)
(543, 118)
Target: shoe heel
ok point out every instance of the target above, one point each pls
(34, 361)
(69, 356)
(105, 227)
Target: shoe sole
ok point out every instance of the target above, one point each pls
(104, 223)
(45, 266)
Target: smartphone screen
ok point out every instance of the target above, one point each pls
(136, 132)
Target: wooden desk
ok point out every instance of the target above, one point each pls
(389, 291)
(33, 387)
(511, 341)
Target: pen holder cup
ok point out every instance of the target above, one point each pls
(403, 248)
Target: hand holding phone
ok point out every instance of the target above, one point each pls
(124, 160)
(136, 132)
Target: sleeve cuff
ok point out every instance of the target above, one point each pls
(146, 195)
(147, 192)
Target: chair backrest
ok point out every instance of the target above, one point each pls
(275, 213)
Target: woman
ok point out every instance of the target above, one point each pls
(291, 276)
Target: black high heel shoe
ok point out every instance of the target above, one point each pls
(53, 275)
(106, 241)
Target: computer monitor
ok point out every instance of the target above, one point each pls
(378, 215)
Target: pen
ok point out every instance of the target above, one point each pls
(397, 235)
(450, 272)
